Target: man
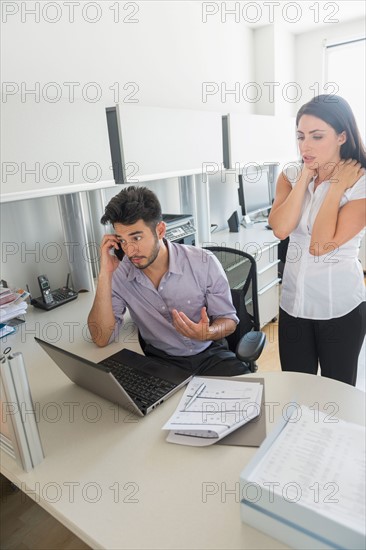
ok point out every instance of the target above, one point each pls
(177, 295)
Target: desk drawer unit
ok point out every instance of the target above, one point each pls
(268, 302)
(266, 256)
(267, 279)
(267, 274)
(268, 283)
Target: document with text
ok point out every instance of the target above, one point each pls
(212, 408)
(318, 463)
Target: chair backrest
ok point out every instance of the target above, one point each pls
(241, 271)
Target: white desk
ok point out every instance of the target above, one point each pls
(114, 481)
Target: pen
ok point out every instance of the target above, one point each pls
(195, 395)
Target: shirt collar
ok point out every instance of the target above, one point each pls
(174, 265)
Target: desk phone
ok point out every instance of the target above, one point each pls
(50, 299)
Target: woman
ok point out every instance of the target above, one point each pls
(321, 205)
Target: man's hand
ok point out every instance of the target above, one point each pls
(194, 331)
(108, 262)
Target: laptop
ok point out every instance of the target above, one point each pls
(137, 383)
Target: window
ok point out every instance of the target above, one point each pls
(345, 66)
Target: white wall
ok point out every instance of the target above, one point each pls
(32, 244)
(165, 57)
(274, 69)
(264, 66)
(309, 52)
(285, 63)
(167, 54)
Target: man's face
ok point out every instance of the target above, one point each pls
(139, 242)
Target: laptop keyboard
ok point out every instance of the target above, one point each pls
(145, 387)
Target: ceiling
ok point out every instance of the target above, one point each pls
(303, 16)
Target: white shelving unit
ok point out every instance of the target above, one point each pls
(260, 139)
(53, 148)
(157, 141)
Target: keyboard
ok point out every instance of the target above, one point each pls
(145, 387)
(64, 295)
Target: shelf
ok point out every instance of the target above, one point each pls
(49, 192)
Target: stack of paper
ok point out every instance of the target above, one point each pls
(12, 304)
(306, 484)
(210, 409)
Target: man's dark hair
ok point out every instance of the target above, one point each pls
(133, 204)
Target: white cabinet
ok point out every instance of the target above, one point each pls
(250, 139)
(159, 142)
(268, 282)
(263, 246)
(52, 148)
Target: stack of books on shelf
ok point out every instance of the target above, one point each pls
(13, 304)
(306, 484)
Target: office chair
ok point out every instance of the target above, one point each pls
(247, 341)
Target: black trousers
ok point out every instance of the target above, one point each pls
(216, 360)
(334, 343)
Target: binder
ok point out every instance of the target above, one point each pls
(19, 435)
(293, 520)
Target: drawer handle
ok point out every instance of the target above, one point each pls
(268, 267)
(270, 245)
(268, 287)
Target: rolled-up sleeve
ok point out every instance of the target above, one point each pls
(218, 296)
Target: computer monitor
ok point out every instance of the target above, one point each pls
(254, 192)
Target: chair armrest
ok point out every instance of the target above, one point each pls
(250, 346)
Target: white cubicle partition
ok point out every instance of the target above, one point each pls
(261, 139)
(162, 142)
(53, 147)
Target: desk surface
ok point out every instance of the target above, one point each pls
(253, 239)
(112, 479)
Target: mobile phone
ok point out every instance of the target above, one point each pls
(119, 252)
(46, 293)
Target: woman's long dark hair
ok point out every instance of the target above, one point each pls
(336, 112)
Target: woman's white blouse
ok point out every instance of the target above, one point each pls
(327, 286)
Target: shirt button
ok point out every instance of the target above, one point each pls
(161, 288)
(163, 307)
(188, 301)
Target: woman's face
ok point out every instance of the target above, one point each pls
(319, 143)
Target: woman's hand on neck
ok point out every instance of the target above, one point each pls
(326, 172)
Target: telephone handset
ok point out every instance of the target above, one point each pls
(50, 299)
(46, 293)
(119, 252)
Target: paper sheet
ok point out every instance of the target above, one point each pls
(321, 462)
(221, 408)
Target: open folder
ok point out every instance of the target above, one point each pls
(213, 408)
